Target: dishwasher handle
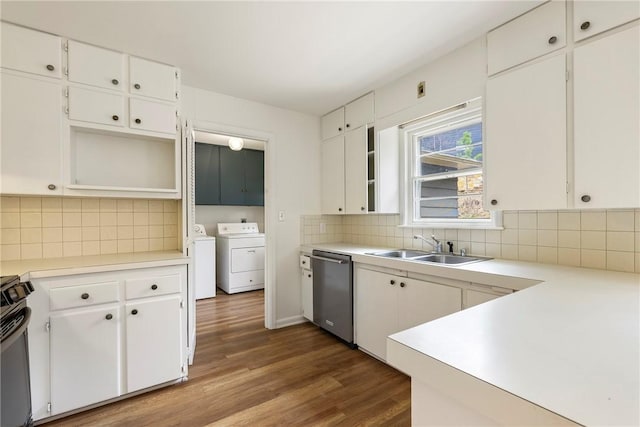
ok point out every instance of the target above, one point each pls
(323, 258)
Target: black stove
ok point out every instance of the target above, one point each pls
(14, 320)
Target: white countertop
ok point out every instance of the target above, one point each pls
(35, 268)
(570, 344)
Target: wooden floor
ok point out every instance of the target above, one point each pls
(244, 374)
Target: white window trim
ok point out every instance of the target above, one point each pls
(407, 188)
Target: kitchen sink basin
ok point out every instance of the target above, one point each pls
(429, 257)
(401, 253)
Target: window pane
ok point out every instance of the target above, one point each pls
(454, 149)
(452, 198)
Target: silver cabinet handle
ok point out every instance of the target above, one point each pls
(322, 258)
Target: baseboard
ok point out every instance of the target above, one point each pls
(289, 321)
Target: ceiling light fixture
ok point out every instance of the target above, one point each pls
(236, 144)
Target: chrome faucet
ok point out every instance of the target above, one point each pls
(437, 247)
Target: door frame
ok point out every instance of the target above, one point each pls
(270, 214)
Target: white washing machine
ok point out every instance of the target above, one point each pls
(204, 263)
(240, 257)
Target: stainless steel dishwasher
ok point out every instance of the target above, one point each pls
(333, 294)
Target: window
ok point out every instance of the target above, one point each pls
(445, 182)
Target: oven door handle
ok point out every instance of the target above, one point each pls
(324, 258)
(19, 331)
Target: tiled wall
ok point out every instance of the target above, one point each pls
(52, 227)
(596, 239)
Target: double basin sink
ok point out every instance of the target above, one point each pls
(429, 257)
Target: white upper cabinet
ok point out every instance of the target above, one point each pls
(355, 173)
(31, 51)
(332, 163)
(95, 66)
(534, 34)
(526, 146)
(333, 124)
(359, 112)
(152, 79)
(31, 150)
(593, 17)
(152, 116)
(607, 122)
(96, 107)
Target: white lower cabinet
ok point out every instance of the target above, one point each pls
(388, 303)
(85, 357)
(109, 334)
(306, 281)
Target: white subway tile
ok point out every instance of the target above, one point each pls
(510, 220)
(568, 239)
(108, 205)
(621, 261)
(547, 255)
(527, 220)
(71, 205)
(548, 220)
(108, 218)
(29, 220)
(140, 245)
(569, 256)
(593, 220)
(90, 233)
(90, 205)
(9, 252)
(9, 204)
(90, 219)
(52, 250)
(91, 247)
(51, 219)
(593, 240)
(10, 220)
(527, 237)
(620, 221)
(493, 236)
(548, 238)
(493, 250)
(31, 204)
(509, 251)
(108, 247)
(478, 236)
(620, 241)
(125, 246)
(71, 249)
(10, 236)
(125, 232)
(125, 218)
(52, 235)
(593, 258)
(31, 251)
(51, 204)
(31, 235)
(71, 219)
(71, 234)
(125, 205)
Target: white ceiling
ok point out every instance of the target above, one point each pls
(304, 56)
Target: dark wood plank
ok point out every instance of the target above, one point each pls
(244, 374)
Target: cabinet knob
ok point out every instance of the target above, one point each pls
(348, 125)
(309, 276)
(339, 209)
(585, 25)
(136, 86)
(494, 202)
(339, 129)
(586, 198)
(51, 187)
(115, 118)
(402, 284)
(134, 311)
(138, 121)
(393, 282)
(84, 296)
(50, 67)
(109, 316)
(115, 82)
(362, 208)
(304, 262)
(154, 286)
(553, 39)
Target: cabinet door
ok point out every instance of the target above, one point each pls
(254, 177)
(593, 17)
(376, 303)
(96, 107)
(526, 138)
(420, 302)
(85, 357)
(232, 182)
(152, 116)
(606, 117)
(332, 163)
(306, 281)
(359, 112)
(333, 123)
(247, 259)
(207, 174)
(31, 51)
(154, 341)
(95, 66)
(533, 34)
(31, 147)
(355, 174)
(148, 78)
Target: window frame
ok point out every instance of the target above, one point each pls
(428, 125)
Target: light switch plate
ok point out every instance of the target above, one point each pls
(281, 216)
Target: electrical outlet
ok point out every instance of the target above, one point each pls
(323, 228)
(421, 89)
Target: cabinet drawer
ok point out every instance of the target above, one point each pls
(333, 124)
(148, 78)
(31, 51)
(152, 286)
(152, 116)
(594, 17)
(359, 112)
(532, 35)
(95, 66)
(248, 278)
(96, 107)
(305, 262)
(83, 295)
(247, 259)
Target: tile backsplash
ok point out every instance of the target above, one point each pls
(52, 227)
(607, 240)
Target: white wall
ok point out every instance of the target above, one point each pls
(293, 159)
(210, 216)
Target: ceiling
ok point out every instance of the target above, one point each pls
(304, 56)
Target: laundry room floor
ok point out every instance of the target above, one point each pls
(244, 374)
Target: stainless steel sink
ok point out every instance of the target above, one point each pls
(429, 257)
(401, 253)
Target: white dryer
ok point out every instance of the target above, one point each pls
(240, 255)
